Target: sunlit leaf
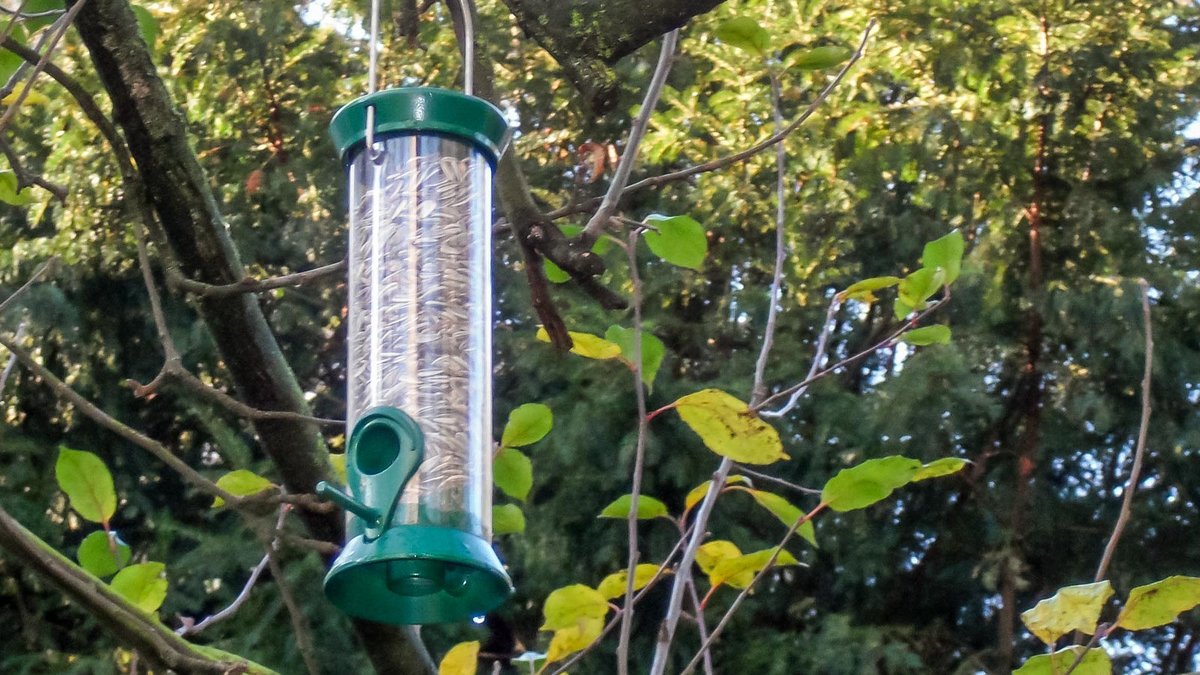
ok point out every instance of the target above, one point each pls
(927, 335)
(1074, 608)
(728, 428)
(241, 483)
(697, 493)
(875, 479)
(9, 193)
(817, 58)
(745, 33)
(940, 467)
(740, 571)
(613, 585)
(527, 424)
(147, 25)
(864, 290)
(507, 519)
(1159, 603)
(919, 286)
(565, 606)
(567, 641)
(338, 460)
(587, 345)
(1095, 662)
(711, 553)
(513, 473)
(647, 508)
(462, 659)
(103, 553)
(679, 240)
(946, 254)
(652, 350)
(785, 511)
(87, 483)
(142, 584)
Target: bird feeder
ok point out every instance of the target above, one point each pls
(419, 164)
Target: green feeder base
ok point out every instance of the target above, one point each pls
(418, 574)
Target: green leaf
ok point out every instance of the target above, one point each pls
(901, 309)
(147, 25)
(697, 493)
(613, 585)
(241, 483)
(1074, 608)
(1158, 604)
(513, 473)
(785, 511)
(861, 486)
(728, 428)
(507, 519)
(565, 606)
(652, 350)
(940, 467)
(927, 335)
(945, 254)
(817, 58)
(647, 508)
(88, 484)
(527, 424)
(462, 659)
(739, 572)
(554, 273)
(1096, 662)
(864, 290)
(9, 193)
(102, 553)
(919, 286)
(745, 33)
(587, 345)
(678, 240)
(142, 584)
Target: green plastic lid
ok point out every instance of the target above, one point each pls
(421, 109)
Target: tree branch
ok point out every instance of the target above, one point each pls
(722, 162)
(608, 206)
(25, 178)
(130, 625)
(1143, 431)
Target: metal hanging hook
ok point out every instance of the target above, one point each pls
(372, 81)
(468, 47)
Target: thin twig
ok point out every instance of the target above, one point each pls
(65, 21)
(12, 358)
(722, 162)
(1143, 431)
(116, 426)
(746, 591)
(742, 468)
(701, 627)
(20, 14)
(200, 288)
(300, 627)
(26, 178)
(802, 385)
(818, 359)
(608, 206)
(33, 279)
(640, 451)
(191, 627)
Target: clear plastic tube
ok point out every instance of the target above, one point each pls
(420, 315)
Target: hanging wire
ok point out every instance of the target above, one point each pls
(372, 76)
(468, 47)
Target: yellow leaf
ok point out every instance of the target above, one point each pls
(573, 638)
(1072, 608)
(461, 659)
(339, 466)
(32, 98)
(712, 553)
(1158, 604)
(587, 345)
(613, 585)
(728, 428)
(739, 572)
(565, 606)
(693, 498)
